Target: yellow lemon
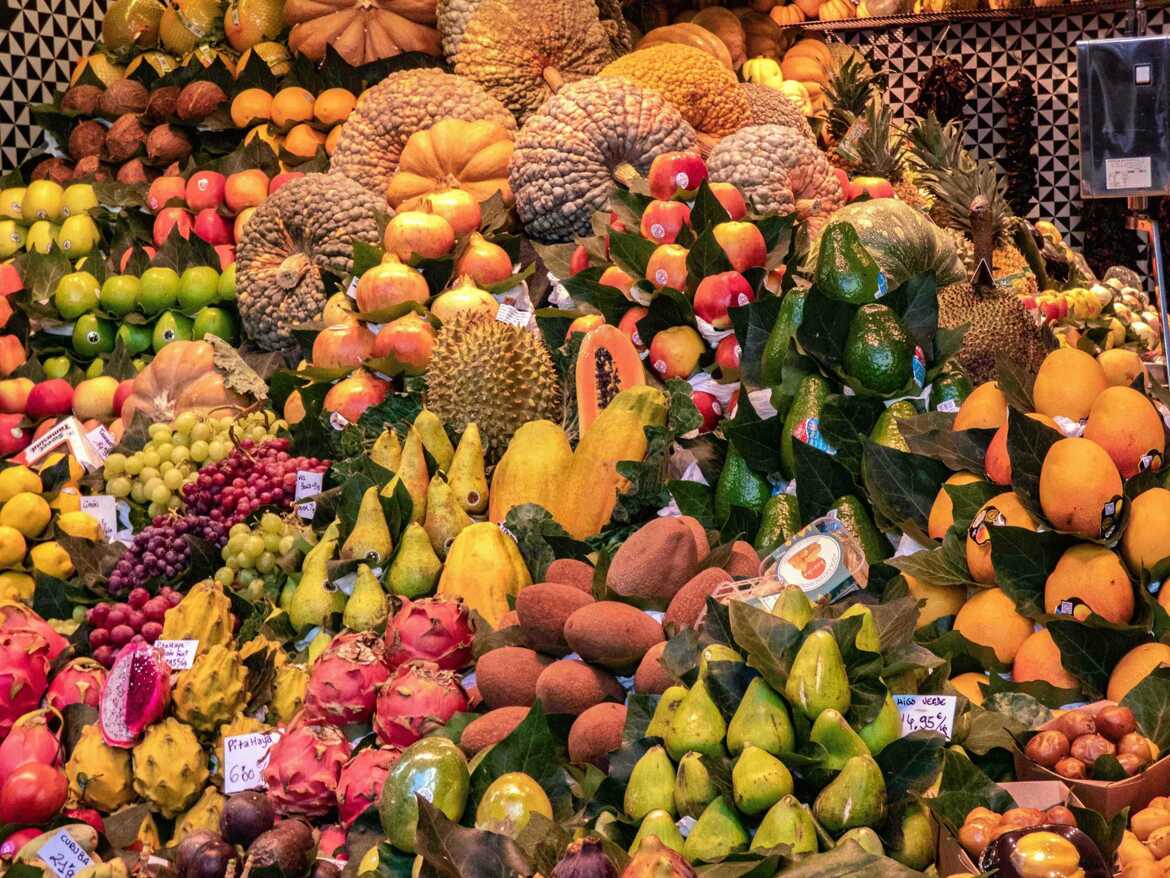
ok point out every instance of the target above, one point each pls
(79, 524)
(15, 586)
(68, 499)
(27, 512)
(16, 479)
(12, 546)
(50, 558)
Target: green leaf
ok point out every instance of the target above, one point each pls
(996, 726)
(758, 441)
(705, 258)
(932, 435)
(707, 211)
(610, 301)
(964, 787)
(452, 851)
(962, 653)
(824, 327)
(1022, 560)
(541, 539)
(694, 499)
(768, 642)
(910, 764)
(1090, 650)
(55, 598)
(753, 324)
(531, 744)
(1045, 693)
(1150, 702)
(944, 566)
(1015, 382)
(845, 422)
(820, 480)
(1028, 441)
(631, 252)
(966, 500)
(902, 486)
(919, 311)
(365, 257)
(1105, 834)
(668, 308)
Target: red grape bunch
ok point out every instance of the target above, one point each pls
(140, 618)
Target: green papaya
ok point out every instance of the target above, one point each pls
(693, 786)
(696, 725)
(716, 834)
(917, 847)
(434, 768)
(869, 840)
(841, 743)
(668, 703)
(658, 824)
(885, 728)
(761, 720)
(867, 638)
(793, 606)
(803, 420)
(885, 431)
(759, 780)
(651, 785)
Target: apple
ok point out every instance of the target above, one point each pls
(579, 261)
(675, 352)
(615, 277)
(169, 219)
(709, 407)
(13, 437)
(676, 175)
(719, 293)
(164, 190)
(874, 187)
(280, 179)
(629, 325)
(663, 220)
(731, 199)
(245, 189)
(205, 189)
(727, 354)
(14, 395)
(667, 266)
(51, 398)
(742, 243)
(10, 281)
(123, 393)
(12, 354)
(581, 325)
(211, 226)
(94, 398)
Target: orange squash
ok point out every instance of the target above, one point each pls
(802, 69)
(361, 31)
(607, 364)
(787, 15)
(810, 47)
(453, 154)
(182, 377)
(688, 35)
(728, 28)
(836, 10)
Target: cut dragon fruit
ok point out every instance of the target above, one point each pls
(136, 694)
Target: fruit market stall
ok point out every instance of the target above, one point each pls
(464, 439)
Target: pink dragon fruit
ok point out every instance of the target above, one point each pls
(14, 616)
(418, 699)
(360, 785)
(136, 694)
(79, 682)
(35, 737)
(343, 684)
(430, 630)
(331, 843)
(24, 674)
(303, 768)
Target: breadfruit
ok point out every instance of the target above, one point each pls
(770, 106)
(507, 676)
(398, 106)
(655, 562)
(996, 322)
(491, 728)
(652, 678)
(493, 374)
(570, 571)
(596, 733)
(524, 52)
(612, 634)
(567, 153)
(687, 604)
(571, 686)
(543, 610)
(303, 232)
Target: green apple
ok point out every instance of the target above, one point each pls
(42, 235)
(92, 336)
(158, 289)
(57, 367)
(76, 294)
(78, 199)
(96, 368)
(78, 235)
(43, 200)
(227, 284)
(120, 294)
(171, 326)
(198, 288)
(11, 203)
(135, 339)
(12, 236)
(215, 321)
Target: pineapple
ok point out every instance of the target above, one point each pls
(878, 149)
(847, 93)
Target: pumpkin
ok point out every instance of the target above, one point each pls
(726, 26)
(787, 15)
(361, 31)
(688, 35)
(836, 10)
(803, 69)
(809, 47)
(797, 92)
(453, 153)
(183, 377)
(762, 71)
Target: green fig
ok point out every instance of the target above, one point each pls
(366, 608)
(466, 474)
(433, 768)
(696, 725)
(817, 679)
(693, 787)
(416, 567)
(793, 606)
(841, 743)
(413, 474)
(651, 785)
(717, 652)
(434, 438)
(759, 780)
(387, 450)
(787, 823)
(917, 847)
(668, 703)
(869, 841)
(761, 720)
(716, 835)
(885, 728)
(316, 598)
(855, 797)
(867, 639)
(660, 825)
(369, 541)
(445, 518)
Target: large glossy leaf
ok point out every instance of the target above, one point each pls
(962, 788)
(945, 565)
(453, 851)
(932, 435)
(820, 480)
(902, 486)
(1090, 650)
(1150, 702)
(533, 745)
(1023, 559)
(1028, 441)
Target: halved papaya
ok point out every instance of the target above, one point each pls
(607, 364)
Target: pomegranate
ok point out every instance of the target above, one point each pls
(360, 785)
(79, 682)
(87, 815)
(418, 699)
(24, 674)
(33, 738)
(343, 684)
(303, 768)
(11, 846)
(431, 630)
(135, 695)
(33, 793)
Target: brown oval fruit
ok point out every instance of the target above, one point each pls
(1074, 724)
(132, 172)
(90, 168)
(123, 96)
(82, 99)
(166, 144)
(1089, 748)
(1060, 815)
(975, 835)
(163, 103)
(57, 169)
(1147, 820)
(1047, 748)
(124, 139)
(611, 634)
(199, 99)
(1023, 817)
(1158, 842)
(1116, 721)
(1136, 744)
(1071, 768)
(87, 138)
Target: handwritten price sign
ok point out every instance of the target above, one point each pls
(64, 855)
(926, 713)
(245, 757)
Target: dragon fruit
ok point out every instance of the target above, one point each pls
(79, 682)
(430, 630)
(14, 615)
(24, 674)
(303, 768)
(33, 738)
(331, 843)
(418, 699)
(136, 694)
(344, 681)
(360, 785)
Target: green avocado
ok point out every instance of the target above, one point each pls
(879, 352)
(845, 271)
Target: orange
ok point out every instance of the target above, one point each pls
(1121, 366)
(942, 511)
(264, 132)
(985, 408)
(1126, 424)
(1094, 576)
(303, 141)
(332, 139)
(1134, 667)
(1002, 509)
(292, 105)
(334, 105)
(990, 618)
(967, 685)
(1146, 539)
(1067, 383)
(1039, 659)
(250, 106)
(1080, 488)
(940, 600)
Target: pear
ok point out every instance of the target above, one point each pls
(316, 598)
(871, 843)
(761, 720)
(759, 780)
(387, 450)
(693, 787)
(445, 517)
(717, 652)
(318, 645)
(787, 823)
(696, 725)
(817, 679)
(651, 785)
(415, 568)
(916, 850)
(668, 703)
(717, 834)
(867, 638)
(434, 437)
(658, 824)
(841, 743)
(366, 608)
(855, 797)
(466, 474)
(885, 728)
(793, 606)
(370, 539)
(412, 473)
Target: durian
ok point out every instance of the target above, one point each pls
(99, 775)
(996, 322)
(211, 691)
(170, 767)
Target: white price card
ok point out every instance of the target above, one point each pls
(104, 508)
(178, 654)
(102, 440)
(309, 484)
(245, 757)
(926, 713)
(514, 316)
(64, 855)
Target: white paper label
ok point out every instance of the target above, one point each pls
(351, 290)
(39, 448)
(178, 654)
(64, 855)
(514, 316)
(68, 432)
(338, 421)
(104, 508)
(309, 484)
(102, 440)
(930, 713)
(1128, 173)
(244, 758)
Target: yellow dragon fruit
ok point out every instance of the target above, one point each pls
(211, 691)
(204, 614)
(204, 814)
(170, 768)
(99, 775)
(288, 692)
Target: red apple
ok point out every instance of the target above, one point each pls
(731, 199)
(245, 189)
(581, 325)
(164, 189)
(14, 395)
(579, 261)
(12, 354)
(52, 398)
(629, 325)
(663, 220)
(13, 437)
(727, 354)
(742, 243)
(709, 407)
(874, 187)
(280, 179)
(676, 175)
(10, 281)
(615, 222)
(241, 221)
(717, 294)
(125, 388)
(675, 352)
(170, 218)
(667, 267)
(205, 189)
(226, 254)
(212, 227)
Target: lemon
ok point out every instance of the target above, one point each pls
(15, 586)
(12, 547)
(16, 479)
(27, 512)
(68, 499)
(79, 524)
(52, 559)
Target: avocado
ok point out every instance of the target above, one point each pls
(845, 270)
(879, 352)
(779, 520)
(803, 418)
(886, 432)
(852, 515)
(948, 391)
(783, 331)
(739, 485)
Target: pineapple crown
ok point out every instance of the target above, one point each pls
(878, 148)
(849, 89)
(935, 146)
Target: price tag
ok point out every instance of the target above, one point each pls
(338, 421)
(351, 290)
(178, 654)
(309, 484)
(104, 508)
(514, 316)
(929, 713)
(64, 855)
(244, 758)
(102, 440)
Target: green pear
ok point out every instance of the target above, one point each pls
(668, 703)
(412, 473)
(817, 679)
(370, 539)
(658, 824)
(387, 450)
(793, 606)
(651, 785)
(716, 835)
(366, 608)
(445, 517)
(693, 787)
(696, 725)
(717, 652)
(316, 598)
(759, 780)
(885, 728)
(867, 639)
(871, 843)
(434, 437)
(416, 567)
(761, 720)
(788, 822)
(467, 476)
(917, 847)
(841, 743)
(855, 797)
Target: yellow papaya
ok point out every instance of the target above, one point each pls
(484, 567)
(531, 470)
